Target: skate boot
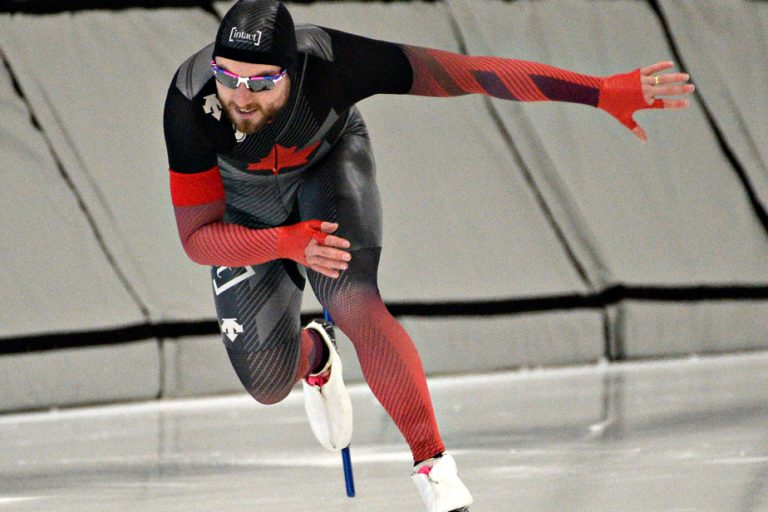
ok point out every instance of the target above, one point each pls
(438, 482)
(326, 400)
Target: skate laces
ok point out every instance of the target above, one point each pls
(319, 380)
(425, 467)
(426, 470)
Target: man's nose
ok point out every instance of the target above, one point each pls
(243, 95)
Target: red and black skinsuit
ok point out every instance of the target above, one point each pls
(243, 203)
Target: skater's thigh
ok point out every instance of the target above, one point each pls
(342, 188)
(258, 306)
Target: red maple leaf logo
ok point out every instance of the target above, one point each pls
(281, 157)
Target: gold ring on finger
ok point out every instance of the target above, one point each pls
(656, 80)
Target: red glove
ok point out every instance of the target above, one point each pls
(622, 96)
(293, 240)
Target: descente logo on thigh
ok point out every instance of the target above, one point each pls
(241, 36)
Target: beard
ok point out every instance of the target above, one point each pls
(252, 122)
(259, 114)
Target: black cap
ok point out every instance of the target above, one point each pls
(258, 32)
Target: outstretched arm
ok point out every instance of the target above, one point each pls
(441, 73)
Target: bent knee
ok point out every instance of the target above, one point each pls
(268, 377)
(270, 398)
(266, 391)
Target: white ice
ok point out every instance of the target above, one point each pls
(674, 436)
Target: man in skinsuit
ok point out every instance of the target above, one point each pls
(272, 182)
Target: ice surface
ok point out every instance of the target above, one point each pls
(686, 435)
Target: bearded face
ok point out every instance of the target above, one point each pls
(251, 111)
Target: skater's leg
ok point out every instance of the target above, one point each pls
(258, 309)
(343, 189)
(388, 357)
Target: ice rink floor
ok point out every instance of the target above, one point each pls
(682, 436)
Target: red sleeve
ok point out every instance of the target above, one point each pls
(441, 73)
(198, 203)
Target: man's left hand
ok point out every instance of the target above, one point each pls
(623, 95)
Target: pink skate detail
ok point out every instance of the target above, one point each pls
(319, 380)
(424, 470)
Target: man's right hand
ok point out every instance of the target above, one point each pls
(311, 244)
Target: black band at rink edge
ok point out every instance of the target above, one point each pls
(478, 308)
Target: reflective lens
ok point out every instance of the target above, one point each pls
(225, 80)
(261, 83)
(253, 83)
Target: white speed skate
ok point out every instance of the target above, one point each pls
(440, 487)
(326, 400)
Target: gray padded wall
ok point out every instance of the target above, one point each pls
(106, 127)
(128, 371)
(56, 278)
(197, 365)
(97, 82)
(670, 213)
(724, 43)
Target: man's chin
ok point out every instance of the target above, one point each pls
(249, 127)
